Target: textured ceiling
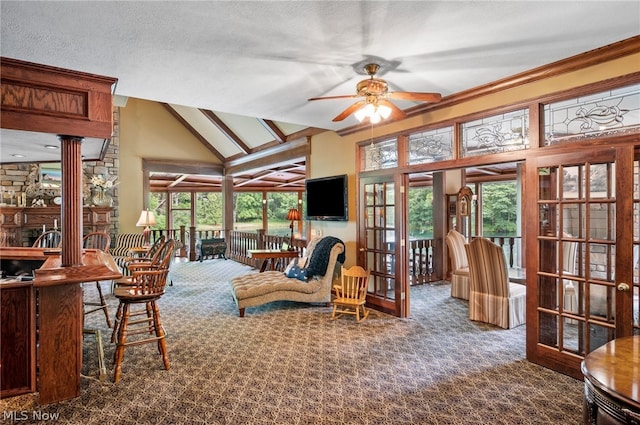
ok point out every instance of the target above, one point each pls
(264, 59)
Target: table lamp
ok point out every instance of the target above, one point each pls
(292, 215)
(146, 219)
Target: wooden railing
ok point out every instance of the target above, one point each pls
(421, 269)
(421, 251)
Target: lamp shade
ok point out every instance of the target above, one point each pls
(146, 219)
(293, 214)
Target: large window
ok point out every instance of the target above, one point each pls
(180, 210)
(279, 204)
(421, 212)
(209, 208)
(158, 204)
(499, 209)
(247, 211)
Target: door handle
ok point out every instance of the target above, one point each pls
(623, 287)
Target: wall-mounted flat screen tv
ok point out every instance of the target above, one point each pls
(327, 198)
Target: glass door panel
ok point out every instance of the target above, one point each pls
(581, 259)
(378, 235)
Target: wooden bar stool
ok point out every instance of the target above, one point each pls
(101, 241)
(147, 286)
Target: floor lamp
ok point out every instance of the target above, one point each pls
(146, 219)
(293, 215)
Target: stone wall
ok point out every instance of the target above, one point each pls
(15, 177)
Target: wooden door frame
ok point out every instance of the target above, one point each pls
(400, 181)
(623, 156)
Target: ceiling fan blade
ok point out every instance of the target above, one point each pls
(350, 110)
(419, 97)
(396, 113)
(348, 96)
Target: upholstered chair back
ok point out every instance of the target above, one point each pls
(492, 298)
(455, 243)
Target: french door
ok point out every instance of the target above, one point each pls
(582, 235)
(382, 211)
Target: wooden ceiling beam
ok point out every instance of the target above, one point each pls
(193, 131)
(233, 137)
(273, 128)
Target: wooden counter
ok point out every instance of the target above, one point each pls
(58, 322)
(612, 383)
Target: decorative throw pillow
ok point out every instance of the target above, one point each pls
(297, 272)
(291, 264)
(300, 262)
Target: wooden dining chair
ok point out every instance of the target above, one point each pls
(48, 239)
(351, 293)
(101, 241)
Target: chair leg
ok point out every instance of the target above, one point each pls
(122, 340)
(365, 313)
(116, 323)
(162, 343)
(103, 303)
(333, 315)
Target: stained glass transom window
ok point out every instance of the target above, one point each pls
(380, 155)
(606, 113)
(431, 146)
(495, 134)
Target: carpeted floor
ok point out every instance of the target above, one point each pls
(287, 363)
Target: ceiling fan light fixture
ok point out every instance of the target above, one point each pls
(375, 94)
(360, 114)
(375, 113)
(384, 111)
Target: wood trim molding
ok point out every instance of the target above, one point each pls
(53, 100)
(606, 53)
(186, 167)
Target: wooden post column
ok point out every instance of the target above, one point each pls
(71, 214)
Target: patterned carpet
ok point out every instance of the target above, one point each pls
(287, 363)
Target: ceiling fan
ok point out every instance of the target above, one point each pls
(375, 95)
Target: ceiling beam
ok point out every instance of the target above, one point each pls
(293, 151)
(193, 131)
(233, 137)
(273, 128)
(178, 180)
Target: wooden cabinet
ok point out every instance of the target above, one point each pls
(16, 222)
(17, 333)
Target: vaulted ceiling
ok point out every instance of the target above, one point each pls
(238, 73)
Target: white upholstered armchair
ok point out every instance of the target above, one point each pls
(459, 265)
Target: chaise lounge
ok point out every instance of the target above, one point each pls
(260, 288)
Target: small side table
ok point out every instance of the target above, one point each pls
(271, 257)
(612, 383)
(139, 251)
